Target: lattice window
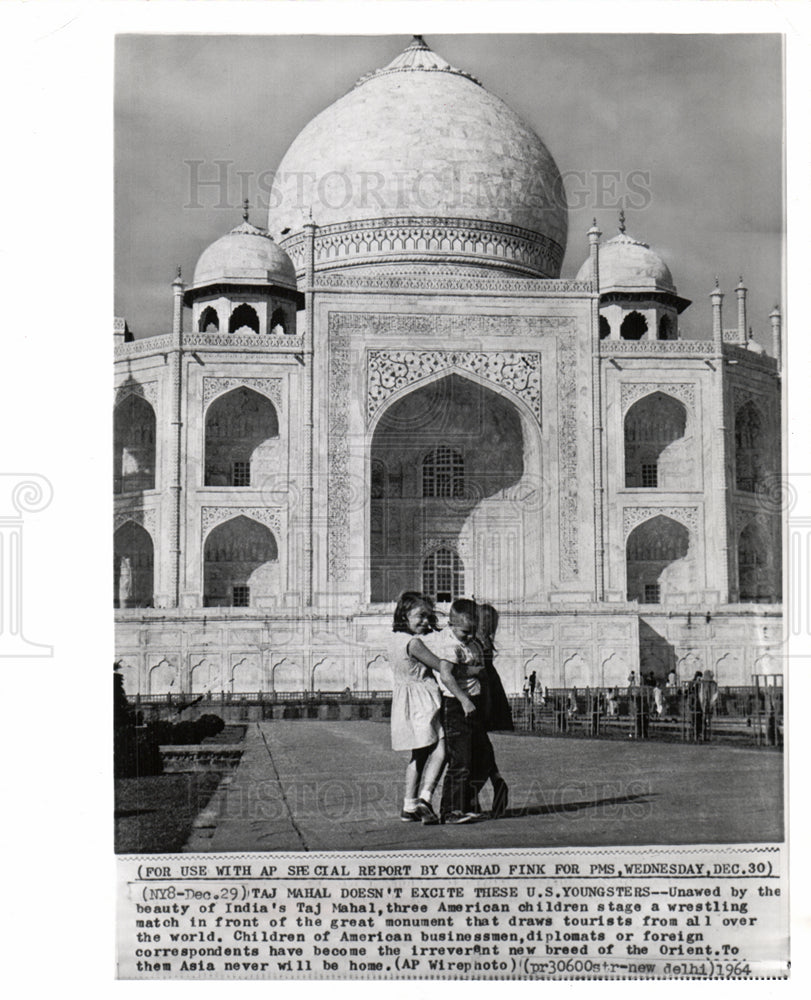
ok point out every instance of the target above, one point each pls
(650, 474)
(241, 474)
(652, 594)
(443, 576)
(241, 597)
(443, 473)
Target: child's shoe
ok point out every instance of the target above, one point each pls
(456, 818)
(426, 813)
(407, 816)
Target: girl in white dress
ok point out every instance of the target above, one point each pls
(415, 705)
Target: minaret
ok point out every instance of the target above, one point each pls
(177, 311)
(717, 298)
(740, 291)
(777, 340)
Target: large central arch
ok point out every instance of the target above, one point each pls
(454, 469)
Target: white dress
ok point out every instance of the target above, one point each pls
(415, 699)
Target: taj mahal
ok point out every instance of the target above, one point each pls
(370, 397)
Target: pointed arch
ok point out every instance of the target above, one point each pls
(652, 549)
(209, 320)
(133, 445)
(756, 571)
(467, 500)
(605, 328)
(666, 328)
(751, 461)
(654, 429)
(634, 326)
(278, 323)
(133, 567)
(243, 316)
(240, 560)
(240, 427)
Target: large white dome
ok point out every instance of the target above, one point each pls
(426, 165)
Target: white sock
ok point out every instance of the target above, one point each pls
(410, 805)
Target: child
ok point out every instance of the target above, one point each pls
(496, 710)
(462, 721)
(415, 706)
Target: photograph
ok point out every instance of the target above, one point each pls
(448, 476)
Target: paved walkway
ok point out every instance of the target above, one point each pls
(336, 786)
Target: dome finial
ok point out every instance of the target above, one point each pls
(621, 225)
(245, 207)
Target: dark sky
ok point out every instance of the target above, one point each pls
(701, 115)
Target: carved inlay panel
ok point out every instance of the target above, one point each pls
(212, 516)
(146, 390)
(632, 516)
(567, 457)
(146, 517)
(389, 371)
(270, 387)
(631, 391)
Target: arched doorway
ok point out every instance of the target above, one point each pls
(656, 456)
(757, 581)
(241, 428)
(243, 317)
(447, 462)
(133, 567)
(133, 445)
(750, 448)
(657, 563)
(241, 564)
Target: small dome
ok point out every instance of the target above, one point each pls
(629, 265)
(246, 254)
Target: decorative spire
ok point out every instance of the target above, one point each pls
(416, 56)
(245, 207)
(621, 225)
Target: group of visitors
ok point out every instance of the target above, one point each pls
(446, 696)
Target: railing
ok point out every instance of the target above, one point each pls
(187, 699)
(689, 712)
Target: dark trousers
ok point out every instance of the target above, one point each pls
(470, 756)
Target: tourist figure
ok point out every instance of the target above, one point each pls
(415, 705)
(694, 705)
(613, 702)
(532, 683)
(466, 740)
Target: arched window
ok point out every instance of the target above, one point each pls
(238, 426)
(652, 425)
(133, 567)
(605, 328)
(443, 473)
(209, 320)
(634, 326)
(666, 328)
(243, 315)
(755, 582)
(750, 448)
(239, 559)
(443, 576)
(278, 323)
(651, 548)
(133, 445)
